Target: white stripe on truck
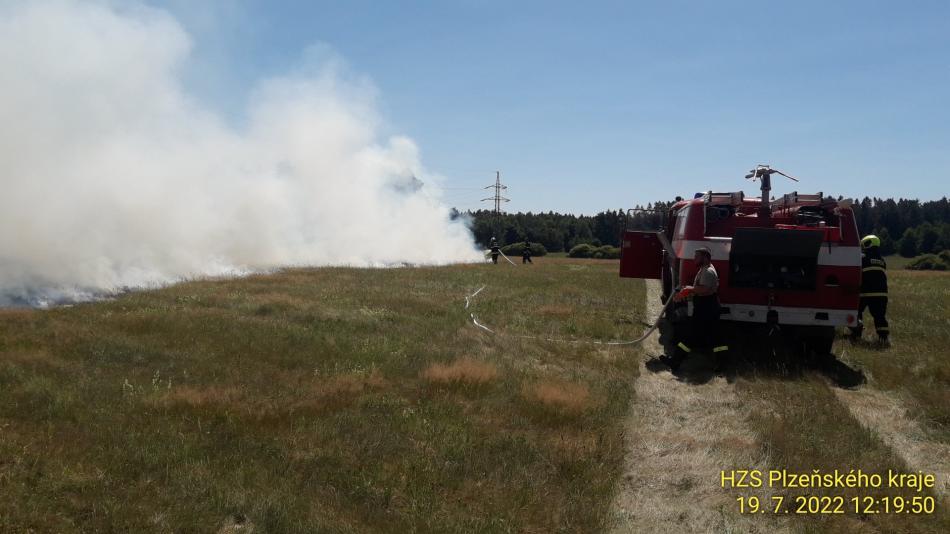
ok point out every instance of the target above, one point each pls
(834, 255)
(787, 315)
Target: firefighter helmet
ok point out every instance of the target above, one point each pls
(870, 241)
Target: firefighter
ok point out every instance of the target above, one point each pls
(526, 252)
(494, 251)
(704, 331)
(873, 289)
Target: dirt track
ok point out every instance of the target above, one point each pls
(678, 438)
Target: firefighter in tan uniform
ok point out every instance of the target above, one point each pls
(704, 325)
(873, 289)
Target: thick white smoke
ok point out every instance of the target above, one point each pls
(112, 176)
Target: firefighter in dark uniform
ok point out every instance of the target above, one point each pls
(873, 289)
(495, 249)
(526, 252)
(704, 332)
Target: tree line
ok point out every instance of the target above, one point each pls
(906, 226)
(560, 232)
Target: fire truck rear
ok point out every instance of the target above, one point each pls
(790, 265)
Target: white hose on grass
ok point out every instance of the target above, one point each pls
(507, 258)
(469, 299)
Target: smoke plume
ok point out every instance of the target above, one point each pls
(113, 176)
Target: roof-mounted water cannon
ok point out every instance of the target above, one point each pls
(764, 173)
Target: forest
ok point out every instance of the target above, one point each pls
(908, 227)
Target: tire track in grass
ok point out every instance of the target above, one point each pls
(886, 414)
(808, 429)
(679, 437)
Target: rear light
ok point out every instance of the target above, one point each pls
(850, 318)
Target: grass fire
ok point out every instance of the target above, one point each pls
(474, 267)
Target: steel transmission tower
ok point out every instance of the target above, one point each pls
(498, 189)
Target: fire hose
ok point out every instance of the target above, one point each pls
(507, 258)
(470, 299)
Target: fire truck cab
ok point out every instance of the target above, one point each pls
(792, 263)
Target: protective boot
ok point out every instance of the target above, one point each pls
(679, 356)
(856, 331)
(720, 355)
(883, 337)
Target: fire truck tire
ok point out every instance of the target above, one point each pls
(667, 335)
(820, 339)
(666, 277)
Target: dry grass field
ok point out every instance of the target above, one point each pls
(365, 400)
(338, 400)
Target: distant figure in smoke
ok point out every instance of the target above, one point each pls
(526, 252)
(494, 251)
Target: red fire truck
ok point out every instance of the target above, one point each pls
(790, 264)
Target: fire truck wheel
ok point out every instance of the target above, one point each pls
(667, 280)
(667, 336)
(820, 341)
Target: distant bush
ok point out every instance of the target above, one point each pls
(585, 250)
(931, 262)
(581, 251)
(907, 247)
(514, 249)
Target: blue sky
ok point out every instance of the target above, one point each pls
(586, 106)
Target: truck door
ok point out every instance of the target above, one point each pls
(641, 255)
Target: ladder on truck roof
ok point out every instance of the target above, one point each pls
(724, 199)
(794, 199)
